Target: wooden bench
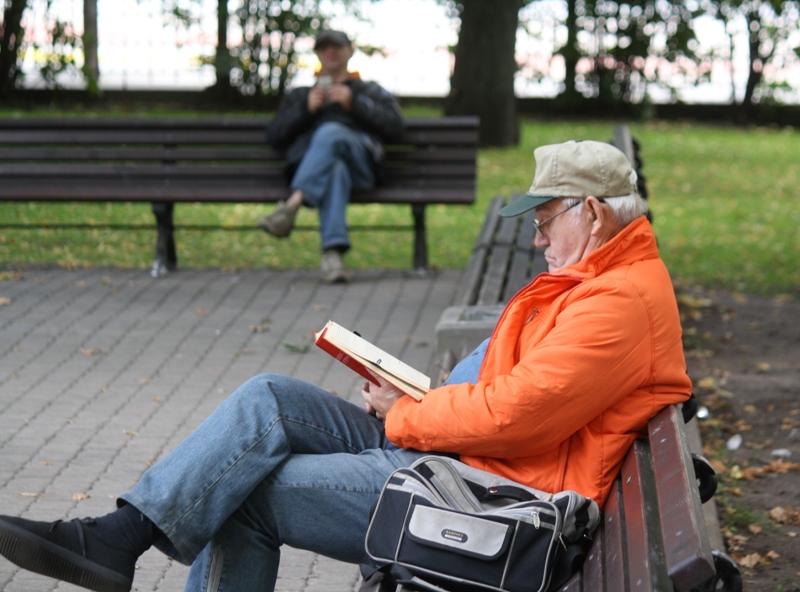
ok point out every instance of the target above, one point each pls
(653, 536)
(166, 161)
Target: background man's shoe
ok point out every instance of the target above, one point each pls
(332, 268)
(280, 222)
(68, 551)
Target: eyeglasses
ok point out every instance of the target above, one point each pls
(538, 225)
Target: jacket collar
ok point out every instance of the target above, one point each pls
(636, 242)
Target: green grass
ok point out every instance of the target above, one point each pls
(724, 201)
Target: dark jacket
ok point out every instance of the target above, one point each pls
(374, 112)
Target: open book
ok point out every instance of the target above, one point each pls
(360, 355)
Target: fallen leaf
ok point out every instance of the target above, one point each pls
(200, 312)
(258, 328)
(754, 528)
(752, 473)
(144, 381)
(157, 399)
(739, 297)
(78, 497)
(130, 433)
(749, 408)
(9, 275)
(778, 514)
(5, 301)
(719, 466)
(736, 472)
(694, 301)
(91, 351)
(772, 554)
(28, 495)
(298, 348)
(781, 467)
(708, 382)
(46, 463)
(763, 367)
(320, 307)
(750, 560)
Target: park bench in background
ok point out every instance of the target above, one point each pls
(653, 537)
(222, 160)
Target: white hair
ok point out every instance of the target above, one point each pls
(626, 208)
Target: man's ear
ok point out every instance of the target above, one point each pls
(599, 214)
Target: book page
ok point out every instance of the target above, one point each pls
(359, 346)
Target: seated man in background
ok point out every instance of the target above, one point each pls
(332, 135)
(578, 363)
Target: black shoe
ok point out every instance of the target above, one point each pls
(67, 551)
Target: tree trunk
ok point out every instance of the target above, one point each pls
(222, 58)
(91, 72)
(570, 53)
(483, 76)
(755, 68)
(11, 35)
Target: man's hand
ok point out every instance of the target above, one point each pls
(341, 93)
(316, 99)
(379, 399)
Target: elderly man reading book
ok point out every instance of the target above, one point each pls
(579, 361)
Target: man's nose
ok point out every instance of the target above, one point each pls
(540, 240)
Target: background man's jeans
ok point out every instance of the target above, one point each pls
(280, 461)
(336, 163)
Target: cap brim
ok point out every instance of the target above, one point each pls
(523, 204)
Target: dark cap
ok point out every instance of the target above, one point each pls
(331, 36)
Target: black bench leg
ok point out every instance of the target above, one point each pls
(420, 239)
(166, 258)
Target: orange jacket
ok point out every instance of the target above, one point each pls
(578, 363)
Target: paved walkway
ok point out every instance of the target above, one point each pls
(102, 372)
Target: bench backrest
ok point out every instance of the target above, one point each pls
(653, 536)
(211, 160)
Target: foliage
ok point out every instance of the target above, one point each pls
(630, 43)
(58, 56)
(618, 49)
(267, 56)
(771, 28)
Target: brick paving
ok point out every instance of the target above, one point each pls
(102, 372)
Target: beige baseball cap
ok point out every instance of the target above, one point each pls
(575, 169)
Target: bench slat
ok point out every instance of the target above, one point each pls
(519, 274)
(646, 563)
(477, 262)
(493, 278)
(614, 565)
(120, 170)
(260, 153)
(208, 192)
(687, 548)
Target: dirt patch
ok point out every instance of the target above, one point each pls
(743, 353)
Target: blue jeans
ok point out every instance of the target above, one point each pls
(336, 163)
(280, 461)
